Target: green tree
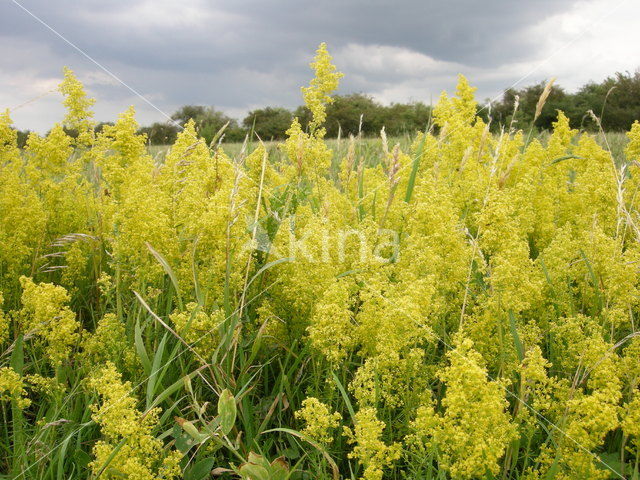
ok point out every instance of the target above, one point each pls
(269, 123)
(558, 99)
(357, 112)
(209, 121)
(161, 133)
(22, 137)
(100, 126)
(348, 114)
(405, 118)
(616, 100)
(352, 113)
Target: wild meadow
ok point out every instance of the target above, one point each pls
(460, 304)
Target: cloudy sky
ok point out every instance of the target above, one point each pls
(238, 55)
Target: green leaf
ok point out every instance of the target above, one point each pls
(611, 462)
(227, 411)
(141, 350)
(17, 356)
(183, 441)
(345, 397)
(566, 157)
(279, 469)
(174, 387)
(200, 470)
(257, 459)
(317, 446)
(188, 427)
(167, 268)
(268, 266)
(251, 471)
(155, 370)
(516, 337)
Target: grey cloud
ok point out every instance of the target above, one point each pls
(243, 53)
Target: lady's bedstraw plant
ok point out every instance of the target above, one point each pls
(460, 305)
(320, 423)
(307, 152)
(46, 316)
(127, 448)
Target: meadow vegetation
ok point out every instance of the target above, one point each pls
(459, 304)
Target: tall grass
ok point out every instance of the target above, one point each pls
(462, 305)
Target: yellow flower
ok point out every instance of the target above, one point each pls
(475, 429)
(631, 419)
(23, 220)
(318, 419)
(4, 323)
(391, 379)
(141, 456)
(78, 106)
(46, 314)
(109, 343)
(199, 328)
(317, 94)
(12, 388)
(370, 450)
(331, 328)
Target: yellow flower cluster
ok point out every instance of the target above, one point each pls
(370, 449)
(4, 322)
(78, 106)
(323, 84)
(331, 328)
(46, 315)
(12, 388)
(129, 450)
(23, 218)
(475, 429)
(318, 419)
(631, 422)
(108, 343)
(199, 328)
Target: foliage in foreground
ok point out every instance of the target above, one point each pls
(462, 310)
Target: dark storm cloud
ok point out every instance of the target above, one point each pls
(244, 53)
(260, 32)
(461, 31)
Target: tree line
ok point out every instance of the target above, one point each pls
(347, 115)
(615, 101)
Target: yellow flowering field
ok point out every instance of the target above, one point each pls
(462, 308)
